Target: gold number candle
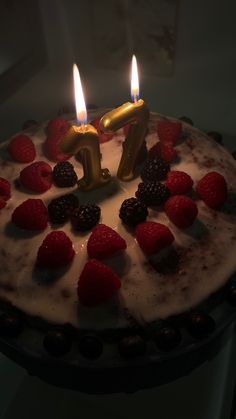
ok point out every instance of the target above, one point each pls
(83, 139)
(137, 115)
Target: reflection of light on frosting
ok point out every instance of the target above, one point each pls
(81, 111)
(134, 80)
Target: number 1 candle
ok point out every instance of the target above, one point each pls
(83, 138)
(136, 114)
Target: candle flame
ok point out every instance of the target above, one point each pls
(81, 111)
(134, 80)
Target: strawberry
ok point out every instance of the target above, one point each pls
(153, 237)
(97, 283)
(179, 183)
(168, 131)
(5, 189)
(31, 215)
(22, 149)
(103, 138)
(104, 242)
(181, 210)
(55, 251)
(56, 130)
(212, 189)
(37, 177)
(165, 151)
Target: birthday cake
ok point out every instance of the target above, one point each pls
(127, 253)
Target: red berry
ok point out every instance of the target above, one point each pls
(57, 126)
(165, 151)
(212, 189)
(104, 242)
(56, 129)
(5, 189)
(97, 283)
(31, 215)
(168, 131)
(37, 177)
(22, 149)
(56, 250)
(153, 237)
(2, 203)
(181, 210)
(179, 183)
(103, 138)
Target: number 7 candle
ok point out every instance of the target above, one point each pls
(136, 114)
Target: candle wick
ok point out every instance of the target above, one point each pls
(82, 127)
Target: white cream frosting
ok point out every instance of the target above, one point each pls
(208, 247)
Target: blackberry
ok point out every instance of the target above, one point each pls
(154, 169)
(133, 211)
(85, 217)
(64, 174)
(60, 208)
(152, 193)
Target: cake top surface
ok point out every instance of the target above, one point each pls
(206, 250)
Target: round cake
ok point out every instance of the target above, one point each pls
(154, 284)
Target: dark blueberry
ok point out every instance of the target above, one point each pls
(85, 217)
(168, 264)
(234, 155)
(90, 347)
(10, 325)
(154, 169)
(57, 343)
(187, 120)
(216, 136)
(64, 174)
(231, 294)
(132, 346)
(30, 123)
(167, 337)
(133, 211)
(200, 324)
(59, 209)
(152, 193)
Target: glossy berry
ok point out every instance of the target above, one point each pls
(179, 183)
(133, 211)
(212, 189)
(132, 346)
(104, 242)
(56, 130)
(85, 217)
(164, 151)
(97, 283)
(154, 169)
(22, 149)
(57, 126)
(57, 343)
(169, 131)
(5, 189)
(200, 324)
(102, 136)
(153, 237)
(31, 215)
(90, 347)
(60, 209)
(64, 174)
(181, 210)
(37, 177)
(10, 325)
(55, 251)
(152, 193)
(167, 337)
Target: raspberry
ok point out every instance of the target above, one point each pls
(55, 251)
(212, 189)
(103, 138)
(154, 169)
(60, 209)
(179, 182)
(97, 283)
(181, 210)
(152, 193)
(164, 151)
(104, 242)
(85, 217)
(64, 174)
(56, 130)
(31, 215)
(132, 211)
(5, 189)
(168, 131)
(2, 203)
(22, 149)
(153, 237)
(57, 126)
(37, 177)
